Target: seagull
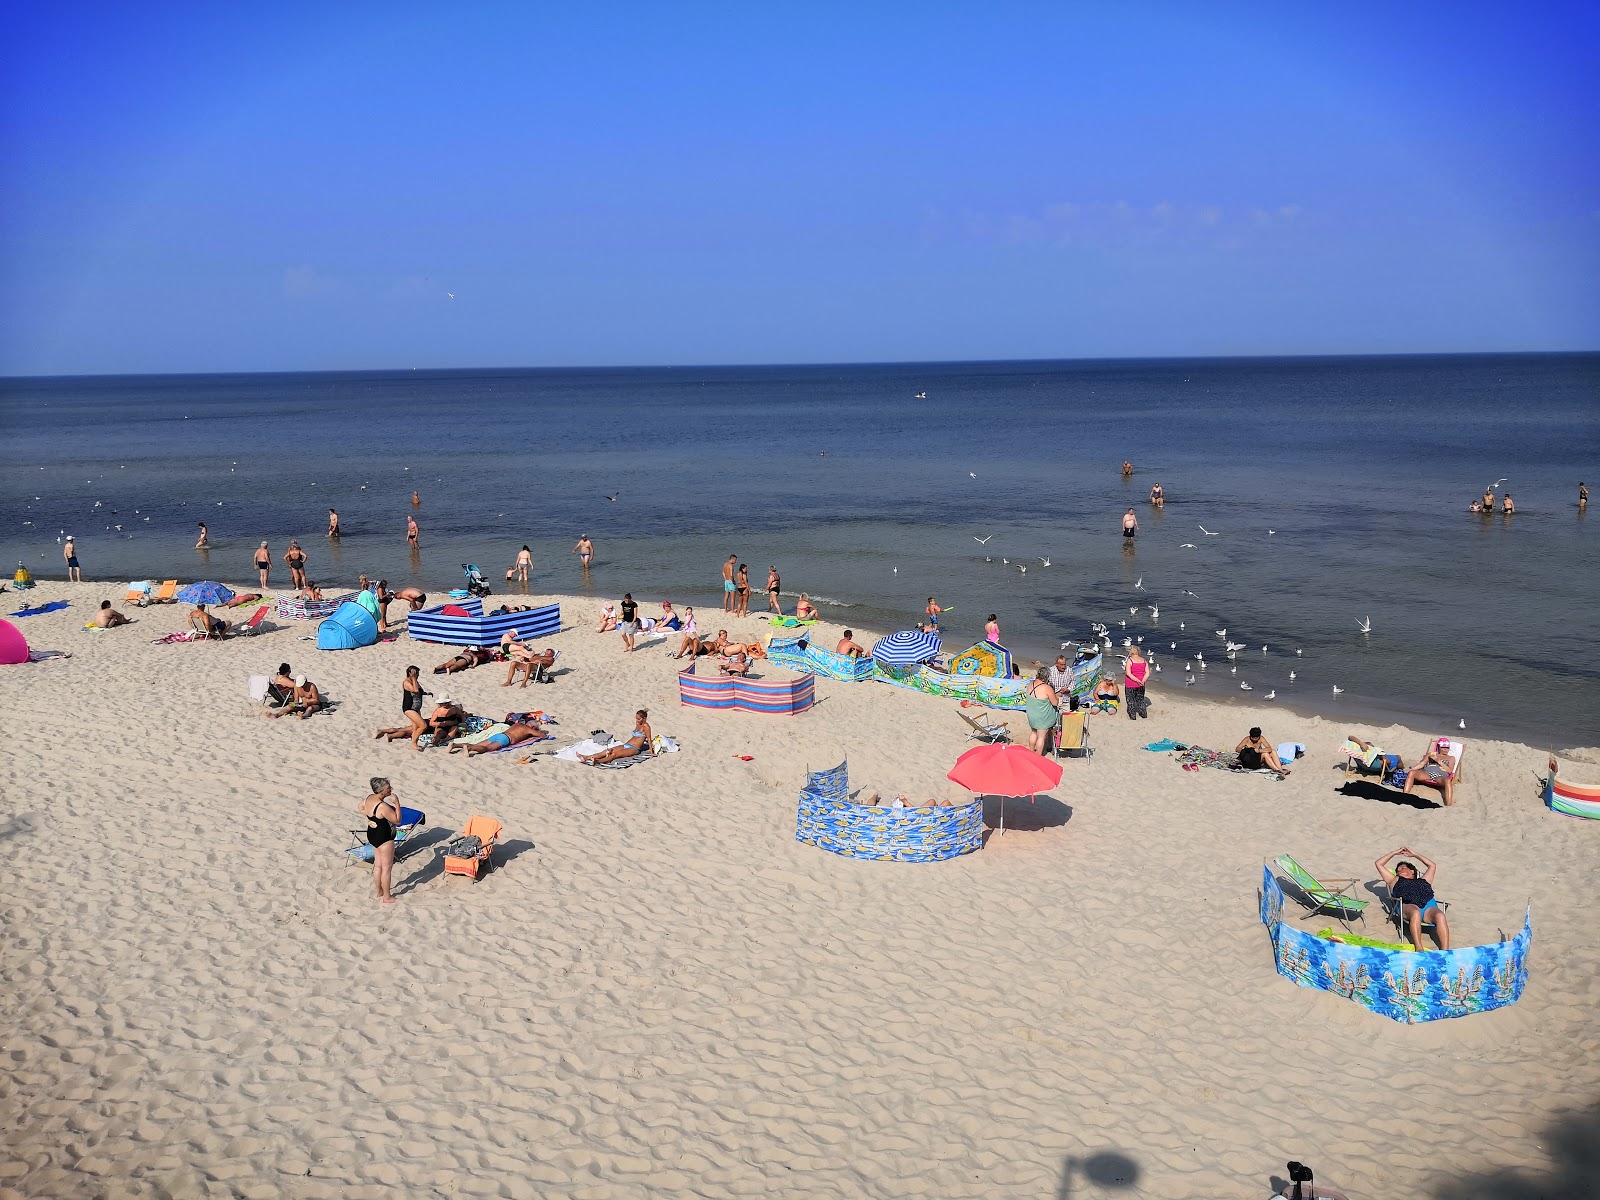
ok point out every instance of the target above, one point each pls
(920, 396)
(1298, 653)
(1158, 666)
(1155, 613)
(897, 570)
(1272, 695)
(1134, 611)
(1365, 626)
(1221, 633)
(1263, 649)
(1126, 642)
(1272, 532)
(1337, 690)
(1181, 625)
(1199, 657)
(1188, 681)
(1232, 646)
(452, 295)
(1291, 676)
(1499, 481)
(1187, 546)
(987, 559)
(1138, 584)
(1139, 639)
(1174, 645)
(1245, 687)
(1187, 592)
(1122, 624)
(1205, 531)
(982, 541)
(974, 474)
(1045, 561)
(1233, 670)
(1231, 654)
(1463, 723)
(1023, 569)
(1202, 666)
(613, 499)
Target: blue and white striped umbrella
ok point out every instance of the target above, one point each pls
(205, 592)
(906, 648)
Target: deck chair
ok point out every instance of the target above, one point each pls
(1072, 735)
(473, 862)
(1396, 913)
(169, 589)
(1363, 764)
(208, 631)
(253, 625)
(986, 729)
(360, 851)
(1318, 896)
(137, 596)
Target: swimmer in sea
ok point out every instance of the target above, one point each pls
(416, 499)
(205, 538)
(1127, 468)
(333, 524)
(1158, 497)
(585, 551)
(1130, 524)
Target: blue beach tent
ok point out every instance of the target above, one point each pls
(350, 627)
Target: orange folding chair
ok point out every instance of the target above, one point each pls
(487, 831)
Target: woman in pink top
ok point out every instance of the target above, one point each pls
(991, 630)
(1134, 676)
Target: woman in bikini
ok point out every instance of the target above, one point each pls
(1436, 769)
(638, 743)
(382, 811)
(804, 610)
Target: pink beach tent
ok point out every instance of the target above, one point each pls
(13, 646)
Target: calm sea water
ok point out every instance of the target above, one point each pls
(866, 494)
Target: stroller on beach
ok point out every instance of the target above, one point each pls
(476, 585)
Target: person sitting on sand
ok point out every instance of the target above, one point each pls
(108, 617)
(472, 656)
(804, 610)
(1414, 891)
(415, 597)
(608, 618)
(532, 663)
(849, 647)
(1256, 753)
(690, 642)
(445, 721)
(312, 591)
(523, 729)
(1437, 769)
(204, 622)
(411, 694)
(638, 743)
(1107, 696)
(669, 617)
(305, 700)
(734, 660)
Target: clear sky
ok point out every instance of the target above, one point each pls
(274, 187)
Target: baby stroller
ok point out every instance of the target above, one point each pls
(475, 582)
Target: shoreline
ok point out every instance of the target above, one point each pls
(1250, 712)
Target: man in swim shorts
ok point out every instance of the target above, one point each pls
(849, 646)
(70, 553)
(523, 729)
(728, 584)
(1130, 524)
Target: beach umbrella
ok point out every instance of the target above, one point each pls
(908, 648)
(1001, 770)
(205, 592)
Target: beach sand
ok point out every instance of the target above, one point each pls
(659, 991)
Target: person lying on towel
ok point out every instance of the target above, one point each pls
(472, 656)
(638, 743)
(523, 729)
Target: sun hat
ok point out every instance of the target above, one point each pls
(299, 681)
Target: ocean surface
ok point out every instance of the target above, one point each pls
(1336, 489)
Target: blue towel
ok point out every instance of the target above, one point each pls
(1165, 744)
(43, 608)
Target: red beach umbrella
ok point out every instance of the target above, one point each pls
(1000, 770)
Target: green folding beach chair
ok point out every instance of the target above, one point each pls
(1319, 896)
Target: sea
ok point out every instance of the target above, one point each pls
(1305, 498)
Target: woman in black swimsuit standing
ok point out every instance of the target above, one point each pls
(411, 695)
(382, 811)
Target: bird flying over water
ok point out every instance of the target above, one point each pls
(1365, 626)
(1205, 531)
(1187, 546)
(984, 541)
(974, 474)
(1045, 561)
(1138, 584)
(613, 499)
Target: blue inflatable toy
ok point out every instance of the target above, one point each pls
(351, 627)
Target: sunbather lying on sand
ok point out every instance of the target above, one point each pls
(524, 729)
(694, 644)
(472, 656)
(638, 743)
(904, 801)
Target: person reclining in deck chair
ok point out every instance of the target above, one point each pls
(1414, 891)
(1373, 760)
(472, 656)
(532, 663)
(305, 701)
(638, 743)
(204, 622)
(1436, 768)
(280, 688)
(523, 729)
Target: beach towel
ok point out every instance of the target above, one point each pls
(1195, 757)
(183, 635)
(43, 608)
(472, 724)
(595, 746)
(45, 655)
(1166, 744)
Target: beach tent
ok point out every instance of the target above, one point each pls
(13, 646)
(348, 629)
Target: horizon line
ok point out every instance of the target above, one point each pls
(908, 362)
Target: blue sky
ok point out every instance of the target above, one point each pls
(279, 187)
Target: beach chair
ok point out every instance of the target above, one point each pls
(1072, 735)
(1458, 751)
(985, 729)
(253, 625)
(1363, 764)
(169, 589)
(360, 851)
(207, 631)
(1395, 911)
(467, 860)
(137, 596)
(734, 666)
(1319, 896)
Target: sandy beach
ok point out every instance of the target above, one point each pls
(660, 992)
